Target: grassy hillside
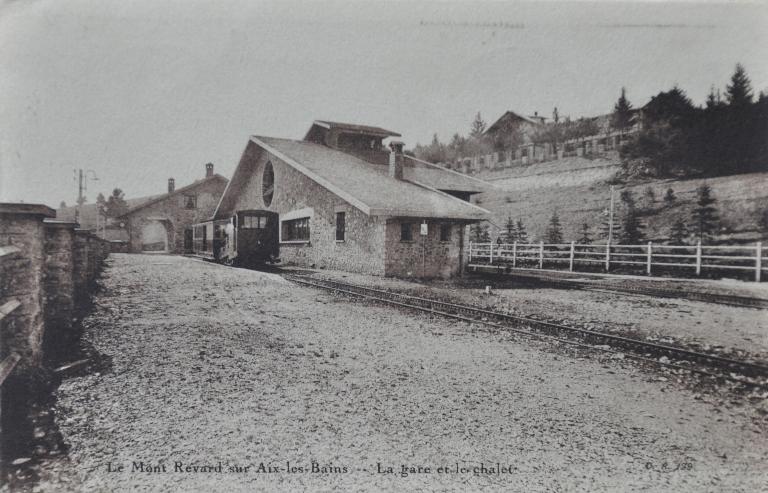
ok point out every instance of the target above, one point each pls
(578, 190)
(566, 172)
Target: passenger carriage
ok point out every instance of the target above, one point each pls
(208, 238)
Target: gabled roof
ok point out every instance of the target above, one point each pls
(366, 186)
(353, 128)
(497, 125)
(159, 198)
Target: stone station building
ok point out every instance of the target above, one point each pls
(347, 203)
(163, 224)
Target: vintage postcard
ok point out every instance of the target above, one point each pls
(349, 245)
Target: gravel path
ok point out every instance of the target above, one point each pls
(212, 364)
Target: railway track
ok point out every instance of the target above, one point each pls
(710, 365)
(721, 299)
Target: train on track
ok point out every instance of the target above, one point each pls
(249, 238)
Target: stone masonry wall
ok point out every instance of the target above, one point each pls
(361, 251)
(80, 263)
(424, 256)
(22, 281)
(59, 281)
(45, 269)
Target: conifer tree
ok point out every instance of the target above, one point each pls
(649, 197)
(586, 237)
(510, 231)
(485, 236)
(631, 230)
(522, 234)
(713, 99)
(739, 91)
(476, 233)
(678, 233)
(478, 126)
(555, 230)
(705, 218)
(622, 113)
(627, 198)
(631, 227)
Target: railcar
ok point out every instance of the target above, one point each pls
(208, 239)
(249, 238)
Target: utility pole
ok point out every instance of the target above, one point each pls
(610, 220)
(82, 186)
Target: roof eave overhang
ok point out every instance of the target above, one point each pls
(473, 212)
(477, 209)
(417, 214)
(383, 135)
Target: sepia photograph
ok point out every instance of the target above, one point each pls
(383, 245)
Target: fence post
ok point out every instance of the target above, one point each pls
(698, 257)
(490, 255)
(573, 245)
(758, 260)
(514, 253)
(607, 256)
(650, 258)
(541, 255)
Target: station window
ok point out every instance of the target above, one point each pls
(406, 232)
(295, 230)
(254, 222)
(445, 232)
(341, 226)
(190, 202)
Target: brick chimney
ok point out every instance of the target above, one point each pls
(209, 170)
(171, 185)
(396, 160)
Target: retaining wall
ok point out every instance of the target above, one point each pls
(47, 268)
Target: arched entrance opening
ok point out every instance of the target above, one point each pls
(154, 236)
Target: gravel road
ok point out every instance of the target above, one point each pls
(213, 365)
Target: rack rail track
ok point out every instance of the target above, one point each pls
(597, 285)
(710, 365)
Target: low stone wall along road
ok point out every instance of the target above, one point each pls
(225, 379)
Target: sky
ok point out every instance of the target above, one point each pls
(138, 92)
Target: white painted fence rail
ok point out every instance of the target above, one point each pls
(651, 256)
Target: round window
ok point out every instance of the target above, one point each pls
(268, 184)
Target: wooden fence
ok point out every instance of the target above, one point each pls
(650, 257)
